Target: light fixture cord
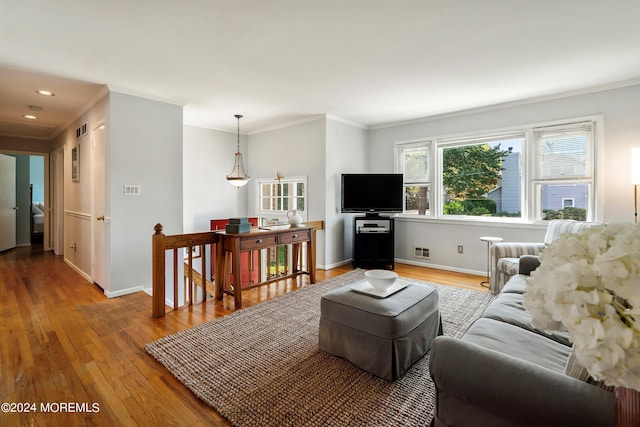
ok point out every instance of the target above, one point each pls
(238, 116)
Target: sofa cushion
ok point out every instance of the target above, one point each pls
(516, 285)
(509, 308)
(518, 342)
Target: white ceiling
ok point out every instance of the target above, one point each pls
(370, 62)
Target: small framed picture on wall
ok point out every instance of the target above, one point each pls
(75, 163)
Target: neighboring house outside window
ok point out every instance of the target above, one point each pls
(564, 169)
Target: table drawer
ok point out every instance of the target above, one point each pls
(257, 242)
(294, 236)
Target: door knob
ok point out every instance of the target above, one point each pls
(100, 218)
(15, 208)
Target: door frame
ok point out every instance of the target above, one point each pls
(57, 166)
(10, 207)
(47, 238)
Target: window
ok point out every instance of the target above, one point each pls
(563, 158)
(277, 197)
(413, 162)
(482, 176)
(532, 173)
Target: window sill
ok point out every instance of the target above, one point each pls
(479, 222)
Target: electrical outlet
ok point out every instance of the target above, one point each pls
(460, 249)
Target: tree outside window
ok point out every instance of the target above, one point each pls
(482, 179)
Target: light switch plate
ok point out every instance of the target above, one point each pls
(131, 190)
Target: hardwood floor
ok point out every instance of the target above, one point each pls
(62, 342)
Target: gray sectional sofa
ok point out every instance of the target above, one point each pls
(504, 372)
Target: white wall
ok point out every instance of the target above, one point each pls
(620, 108)
(346, 152)
(208, 158)
(144, 148)
(297, 150)
(320, 149)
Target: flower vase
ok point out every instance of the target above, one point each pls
(627, 407)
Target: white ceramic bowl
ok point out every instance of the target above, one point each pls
(381, 280)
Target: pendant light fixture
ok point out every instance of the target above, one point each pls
(238, 176)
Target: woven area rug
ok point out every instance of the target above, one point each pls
(261, 366)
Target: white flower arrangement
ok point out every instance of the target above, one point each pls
(589, 285)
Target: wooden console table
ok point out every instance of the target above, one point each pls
(258, 238)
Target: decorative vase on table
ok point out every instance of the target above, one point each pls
(589, 285)
(294, 218)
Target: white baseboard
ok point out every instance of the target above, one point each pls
(334, 265)
(441, 267)
(77, 269)
(122, 292)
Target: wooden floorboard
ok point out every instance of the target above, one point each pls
(62, 340)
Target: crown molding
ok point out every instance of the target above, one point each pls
(509, 104)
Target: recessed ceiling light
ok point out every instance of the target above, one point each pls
(45, 93)
(30, 116)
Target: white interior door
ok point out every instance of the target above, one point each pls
(7, 202)
(99, 219)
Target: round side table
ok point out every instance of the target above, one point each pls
(490, 241)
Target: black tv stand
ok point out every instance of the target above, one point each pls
(373, 241)
(373, 215)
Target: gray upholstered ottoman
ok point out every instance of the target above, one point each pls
(383, 336)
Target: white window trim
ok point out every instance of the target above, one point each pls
(397, 161)
(529, 216)
(282, 215)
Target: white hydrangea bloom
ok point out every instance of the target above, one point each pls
(589, 284)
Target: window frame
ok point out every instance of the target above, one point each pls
(414, 145)
(536, 183)
(476, 140)
(531, 202)
(280, 214)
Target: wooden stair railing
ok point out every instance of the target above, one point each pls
(162, 243)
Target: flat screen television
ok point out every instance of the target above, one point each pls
(372, 193)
